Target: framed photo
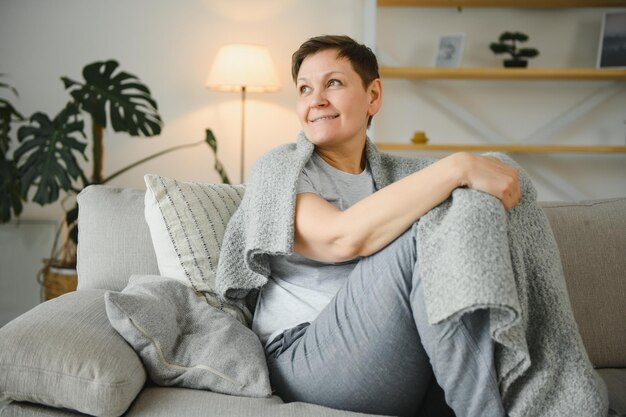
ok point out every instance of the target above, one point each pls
(612, 50)
(450, 50)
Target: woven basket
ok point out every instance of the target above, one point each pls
(58, 280)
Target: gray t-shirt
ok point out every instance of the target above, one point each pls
(299, 288)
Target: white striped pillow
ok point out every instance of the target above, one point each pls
(187, 221)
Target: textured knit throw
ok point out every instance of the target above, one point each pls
(473, 254)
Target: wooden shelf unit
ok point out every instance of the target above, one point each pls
(509, 74)
(506, 74)
(502, 3)
(386, 146)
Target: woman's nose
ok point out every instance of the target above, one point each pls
(319, 99)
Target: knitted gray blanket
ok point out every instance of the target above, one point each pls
(473, 254)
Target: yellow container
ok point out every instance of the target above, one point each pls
(419, 137)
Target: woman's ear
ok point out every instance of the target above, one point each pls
(375, 93)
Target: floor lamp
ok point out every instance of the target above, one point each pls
(245, 68)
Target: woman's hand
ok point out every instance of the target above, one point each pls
(490, 175)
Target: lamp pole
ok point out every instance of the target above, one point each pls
(243, 123)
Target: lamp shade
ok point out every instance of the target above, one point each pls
(242, 65)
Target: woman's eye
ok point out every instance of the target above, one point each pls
(304, 89)
(334, 83)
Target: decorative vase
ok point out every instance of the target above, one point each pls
(515, 63)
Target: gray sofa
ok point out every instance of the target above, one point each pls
(63, 358)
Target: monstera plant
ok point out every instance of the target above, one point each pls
(46, 160)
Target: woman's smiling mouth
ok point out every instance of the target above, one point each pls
(323, 118)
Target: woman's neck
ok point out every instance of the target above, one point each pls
(350, 159)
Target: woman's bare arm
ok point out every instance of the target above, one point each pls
(325, 233)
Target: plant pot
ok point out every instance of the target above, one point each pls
(515, 63)
(58, 279)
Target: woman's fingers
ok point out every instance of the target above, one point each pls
(505, 181)
(490, 175)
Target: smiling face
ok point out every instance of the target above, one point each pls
(332, 105)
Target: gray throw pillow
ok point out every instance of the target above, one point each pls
(64, 353)
(183, 341)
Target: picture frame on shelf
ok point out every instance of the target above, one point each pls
(450, 50)
(612, 47)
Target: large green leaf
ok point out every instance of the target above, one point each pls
(8, 115)
(71, 219)
(10, 195)
(46, 155)
(130, 106)
(5, 85)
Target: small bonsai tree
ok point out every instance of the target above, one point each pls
(508, 45)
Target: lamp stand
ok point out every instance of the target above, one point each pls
(243, 123)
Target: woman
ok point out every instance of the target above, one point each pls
(341, 308)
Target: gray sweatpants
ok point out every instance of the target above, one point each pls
(372, 350)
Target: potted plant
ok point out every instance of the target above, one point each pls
(508, 45)
(45, 160)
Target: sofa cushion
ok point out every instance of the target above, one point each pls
(166, 402)
(114, 240)
(615, 380)
(183, 341)
(591, 237)
(187, 221)
(160, 401)
(156, 401)
(24, 409)
(64, 353)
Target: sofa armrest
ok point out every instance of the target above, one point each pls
(591, 236)
(64, 353)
